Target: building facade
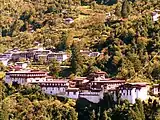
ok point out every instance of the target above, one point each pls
(25, 77)
(82, 87)
(54, 87)
(59, 56)
(133, 91)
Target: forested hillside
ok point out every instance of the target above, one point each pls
(122, 30)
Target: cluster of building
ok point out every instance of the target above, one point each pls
(91, 87)
(34, 54)
(38, 54)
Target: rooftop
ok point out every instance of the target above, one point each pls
(55, 81)
(134, 85)
(27, 72)
(108, 81)
(72, 89)
(79, 78)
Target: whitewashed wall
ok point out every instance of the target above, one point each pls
(54, 90)
(135, 94)
(36, 80)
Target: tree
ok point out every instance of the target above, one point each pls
(72, 115)
(118, 10)
(125, 9)
(152, 110)
(2, 67)
(76, 59)
(105, 116)
(63, 43)
(156, 73)
(139, 109)
(54, 68)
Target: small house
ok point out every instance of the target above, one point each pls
(68, 20)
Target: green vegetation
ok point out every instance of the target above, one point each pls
(128, 38)
(54, 68)
(20, 102)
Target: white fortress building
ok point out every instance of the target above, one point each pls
(25, 77)
(91, 87)
(133, 91)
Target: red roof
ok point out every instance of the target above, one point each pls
(16, 67)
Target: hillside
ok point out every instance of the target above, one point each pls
(124, 32)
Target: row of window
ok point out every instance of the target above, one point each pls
(128, 92)
(74, 93)
(53, 88)
(107, 83)
(25, 74)
(54, 84)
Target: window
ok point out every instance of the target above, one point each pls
(124, 94)
(74, 93)
(51, 92)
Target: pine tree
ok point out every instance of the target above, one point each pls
(125, 9)
(76, 59)
(63, 44)
(54, 68)
(118, 10)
